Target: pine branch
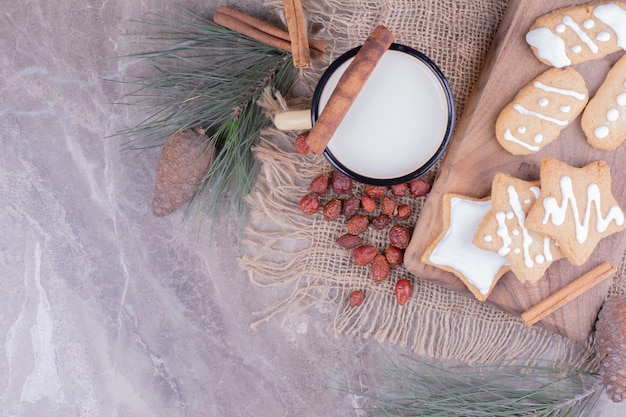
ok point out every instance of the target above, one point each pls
(207, 77)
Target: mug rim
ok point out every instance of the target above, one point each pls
(419, 171)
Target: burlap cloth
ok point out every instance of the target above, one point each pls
(296, 255)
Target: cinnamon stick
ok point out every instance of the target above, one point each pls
(567, 293)
(264, 32)
(296, 25)
(348, 88)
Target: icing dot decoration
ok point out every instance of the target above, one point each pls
(577, 49)
(601, 132)
(521, 129)
(603, 37)
(538, 138)
(588, 24)
(565, 109)
(560, 28)
(543, 102)
(612, 115)
(621, 99)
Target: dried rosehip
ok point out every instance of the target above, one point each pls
(403, 290)
(388, 205)
(340, 183)
(404, 211)
(356, 298)
(349, 241)
(381, 221)
(309, 204)
(319, 185)
(300, 143)
(380, 268)
(368, 203)
(364, 254)
(332, 209)
(376, 191)
(419, 187)
(399, 190)
(358, 224)
(394, 255)
(351, 207)
(399, 236)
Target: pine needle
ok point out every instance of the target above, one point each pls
(545, 388)
(207, 77)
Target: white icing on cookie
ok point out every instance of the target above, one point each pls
(577, 49)
(536, 191)
(621, 99)
(522, 110)
(547, 253)
(549, 46)
(521, 129)
(589, 23)
(614, 17)
(488, 238)
(563, 91)
(601, 132)
(565, 109)
(538, 138)
(560, 28)
(456, 250)
(509, 136)
(603, 37)
(556, 212)
(503, 232)
(581, 34)
(612, 115)
(543, 102)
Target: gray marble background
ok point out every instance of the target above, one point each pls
(106, 310)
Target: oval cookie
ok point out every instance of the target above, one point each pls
(575, 34)
(541, 110)
(604, 119)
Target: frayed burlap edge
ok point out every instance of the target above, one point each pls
(285, 249)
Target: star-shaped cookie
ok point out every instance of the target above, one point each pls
(504, 230)
(453, 250)
(576, 207)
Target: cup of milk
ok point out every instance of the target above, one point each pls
(397, 127)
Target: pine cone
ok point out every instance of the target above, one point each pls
(611, 346)
(185, 160)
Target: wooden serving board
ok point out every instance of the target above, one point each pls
(474, 156)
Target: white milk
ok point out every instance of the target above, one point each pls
(397, 122)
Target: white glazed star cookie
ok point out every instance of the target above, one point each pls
(453, 250)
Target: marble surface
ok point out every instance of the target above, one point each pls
(106, 310)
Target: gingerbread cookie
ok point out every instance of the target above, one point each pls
(575, 34)
(576, 207)
(503, 229)
(604, 119)
(541, 110)
(453, 250)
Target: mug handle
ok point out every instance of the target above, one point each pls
(293, 120)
